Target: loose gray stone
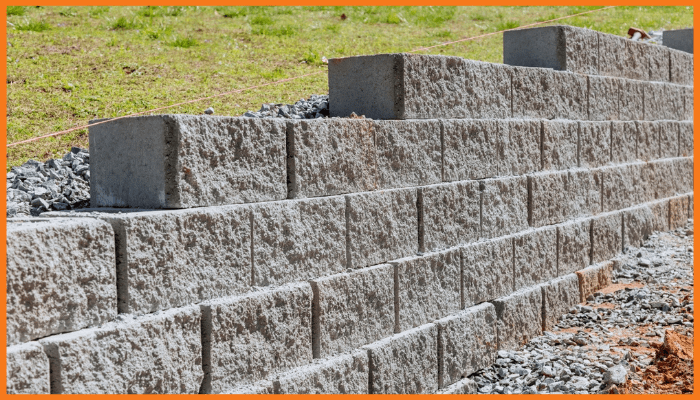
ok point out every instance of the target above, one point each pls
(27, 369)
(616, 375)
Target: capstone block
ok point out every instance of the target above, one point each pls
(519, 318)
(253, 337)
(595, 140)
(560, 144)
(606, 236)
(685, 139)
(156, 353)
(638, 225)
(574, 246)
(519, 149)
(504, 206)
(631, 103)
(60, 277)
(622, 58)
(603, 95)
(558, 296)
(352, 309)
(381, 226)
(678, 212)
(594, 278)
(680, 39)
(471, 148)
(464, 386)
(406, 363)
(548, 94)
(467, 343)
(409, 153)
(623, 141)
(344, 374)
(487, 271)
(660, 210)
(681, 67)
(330, 157)
(288, 245)
(27, 369)
(448, 214)
(183, 161)
(427, 288)
(647, 140)
(535, 257)
(668, 139)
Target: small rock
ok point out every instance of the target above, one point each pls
(209, 111)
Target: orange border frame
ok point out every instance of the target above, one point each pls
(3, 127)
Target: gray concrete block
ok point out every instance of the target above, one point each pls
(562, 47)
(573, 246)
(676, 97)
(683, 174)
(658, 58)
(416, 86)
(260, 387)
(586, 192)
(623, 141)
(558, 296)
(548, 94)
(680, 39)
(487, 270)
(409, 153)
(668, 139)
(685, 139)
(594, 278)
(595, 141)
(690, 205)
(535, 257)
(427, 288)
(687, 93)
(330, 157)
(288, 245)
(27, 369)
(381, 226)
(519, 149)
(448, 214)
(549, 194)
(631, 103)
(60, 277)
(638, 225)
(344, 374)
(648, 140)
(183, 161)
(646, 190)
(606, 236)
(665, 179)
(603, 96)
(559, 144)
(353, 309)
(504, 206)
(467, 343)
(519, 318)
(156, 353)
(681, 67)
(677, 212)
(622, 58)
(663, 101)
(660, 210)
(621, 186)
(471, 148)
(464, 386)
(172, 258)
(253, 337)
(406, 363)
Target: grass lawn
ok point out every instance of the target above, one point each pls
(67, 65)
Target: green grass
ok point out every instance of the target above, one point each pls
(67, 65)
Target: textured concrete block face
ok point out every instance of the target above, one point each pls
(683, 174)
(647, 140)
(621, 186)
(660, 211)
(606, 234)
(471, 148)
(408, 153)
(573, 246)
(594, 278)
(665, 179)
(639, 224)
(329, 157)
(631, 103)
(685, 139)
(382, 226)
(256, 336)
(549, 194)
(560, 145)
(535, 257)
(678, 212)
(69, 261)
(519, 149)
(406, 363)
(344, 374)
(559, 47)
(668, 139)
(503, 206)
(663, 101)
(487, 271)
(622, 58)
(288, 245)
(467, 343)
(623, 142)
(603, 95)
(158, 353)
(519, 318)
(427, 288)
(542, 93)
(260, 387)
(687, 93)
(464, 386)
(658, 57)
(681, 67)
(353, 309)
(679, 39)
(182, 161)
(449, 214)
(595, 139)
(558, 296)
(585, 196)
(690, 205)
(27, 369)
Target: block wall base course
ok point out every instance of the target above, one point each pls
(352, 309)
(69, 261)
(343, 374)
(157, 353)
(27, 369)
(535, 257)
(660, 210)
(504, 206)
(467, 343)
(558, 296)
(464, 386)
(594, 278)
(519, 317)
(255, 336)
(638, 225)
(406, 363)
(448, 215)
(606, 236)
(677, 212)
(487, 271)
(165, 161)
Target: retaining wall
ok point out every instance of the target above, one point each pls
(351, 255)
